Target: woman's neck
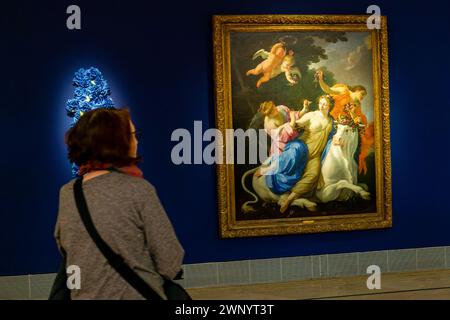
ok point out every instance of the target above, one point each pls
(324, 113)
(276, 115)
(354, 97)
(93, 174)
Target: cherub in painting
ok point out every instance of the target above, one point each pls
(278, 60)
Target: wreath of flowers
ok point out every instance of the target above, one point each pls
(348, 121)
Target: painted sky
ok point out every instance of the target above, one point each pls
(351, 63)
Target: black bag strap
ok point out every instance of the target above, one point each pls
(115, 260)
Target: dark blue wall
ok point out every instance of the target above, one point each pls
(157, 57)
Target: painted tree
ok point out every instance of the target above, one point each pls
(246, 97)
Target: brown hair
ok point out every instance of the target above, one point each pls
(266, 107)
(358, 88)
(329, 100)
(101, 136)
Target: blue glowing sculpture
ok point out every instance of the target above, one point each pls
(91, 92)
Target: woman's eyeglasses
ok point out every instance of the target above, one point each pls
(137, 134)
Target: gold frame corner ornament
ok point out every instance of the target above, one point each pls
(229, 227)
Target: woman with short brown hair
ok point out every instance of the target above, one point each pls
(124, 207)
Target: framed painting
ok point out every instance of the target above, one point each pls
(308, 97)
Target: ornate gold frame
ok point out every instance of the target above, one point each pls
(229, 227)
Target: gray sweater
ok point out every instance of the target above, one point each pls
(130, 218)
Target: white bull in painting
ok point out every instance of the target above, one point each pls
(339, 169)
(339, 175)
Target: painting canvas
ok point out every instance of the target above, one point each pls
(317, 88)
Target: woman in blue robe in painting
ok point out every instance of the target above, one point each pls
(288, 154)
